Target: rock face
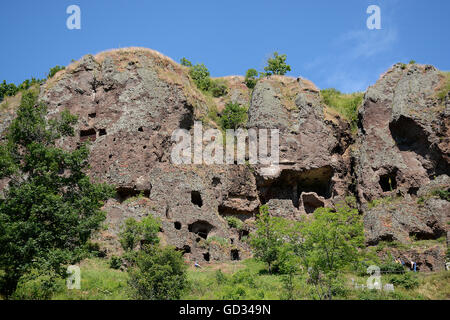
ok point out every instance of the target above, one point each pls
(130, 101)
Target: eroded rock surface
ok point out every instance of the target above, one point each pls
(129, 102)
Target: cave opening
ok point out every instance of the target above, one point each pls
(410, 136)
(234, 254)
(201, 228)
(88, 135)
(125, 193)
(292, 183)
(177, 225)
(206, 256)
(196, 198)
(388, 181)
(216, 181)
(102, 132)
(311, 202)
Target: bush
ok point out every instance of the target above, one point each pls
(134, 232)
(251, 78)
(234, 222)
(392, 267)
(220, 277)
(218, 88)
(54, 70)
(277, 65)
(200, 74)
(407, 280)
(233, 116)
(37, 285)
(185, 62)
(158, 274)
(115, 262)
(441, 193)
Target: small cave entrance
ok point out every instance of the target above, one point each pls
(88, 135)
(187, 119)
(92, 115)
(102, 132)
(243, 233)
(125, 193)
(201, 228)
(216, 181)
(185, 249)
(234, 255)
(206, 256)
(196, 198)
(177, 225)
(388, 181)
(311, 202)
(292, 183)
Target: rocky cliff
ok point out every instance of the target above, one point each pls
(129, 101)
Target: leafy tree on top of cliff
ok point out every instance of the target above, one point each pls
(49, 207)
(277, 65)
(54, 70)
(251, 78)
(185, 62)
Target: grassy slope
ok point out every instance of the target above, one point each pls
(242, 280)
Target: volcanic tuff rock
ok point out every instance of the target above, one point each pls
(129, 101)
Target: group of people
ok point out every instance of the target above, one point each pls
(412, 264)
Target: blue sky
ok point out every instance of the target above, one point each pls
(326, 41)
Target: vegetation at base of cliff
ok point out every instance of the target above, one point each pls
(346, 105)
(249, 280)
(50, 207)
(320, 248)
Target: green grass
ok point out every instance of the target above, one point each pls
(249, 280)
(98, 282)
(346, 105)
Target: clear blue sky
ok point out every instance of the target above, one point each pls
(326, 41)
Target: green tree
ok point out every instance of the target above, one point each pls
(233, 116)
(54, 70)
(330, 244)
(267, 242)
(277, 65)
(158, 274)
(185, 62)
(251, 78)
(143, 232)
(50, 207)
(200, 74)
